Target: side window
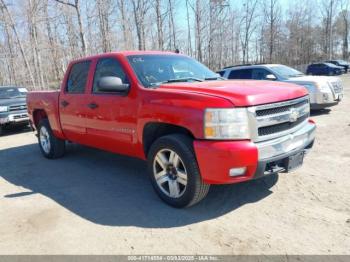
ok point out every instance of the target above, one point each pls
(108, 67)
(241, 74)
(78, 76)
(260, 74)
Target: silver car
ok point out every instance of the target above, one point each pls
(324, 91)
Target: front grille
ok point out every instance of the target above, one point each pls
(277, 119)
(268, 130)
(278, 110)
(17, 108)
(337, 87)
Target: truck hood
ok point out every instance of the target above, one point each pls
(313, 79)
(241, 93)
(13, 101)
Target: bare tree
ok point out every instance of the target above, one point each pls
(7, 13)
(272, 14)
(248, 26)
(345, 16)
(140, 8)
(76, 6)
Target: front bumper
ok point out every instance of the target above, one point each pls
(272, 153)
(17, 117)
(217, 158)
(320, 100)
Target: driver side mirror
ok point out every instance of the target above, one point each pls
(112, 84)
(270, 77)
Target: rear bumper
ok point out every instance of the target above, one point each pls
(217, 158)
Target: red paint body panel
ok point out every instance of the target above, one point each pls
(117, 124)
(216, 158)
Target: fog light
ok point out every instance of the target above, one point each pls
(237, 171)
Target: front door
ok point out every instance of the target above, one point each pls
(111, 117)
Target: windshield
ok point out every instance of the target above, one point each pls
(153, 70)
(286, 71)
(342, 62)
(330, 65)
(12, 92)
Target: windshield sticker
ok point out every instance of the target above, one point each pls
(138, 60)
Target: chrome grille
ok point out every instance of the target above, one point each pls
(277, 119)
(337, 87)
(18, 108)
(268, 130)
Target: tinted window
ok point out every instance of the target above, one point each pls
(108, 67)
(78, 77)
(241, 74)
(260, 74)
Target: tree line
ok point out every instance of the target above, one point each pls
(39, 37)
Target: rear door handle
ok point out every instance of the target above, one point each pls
(92, 105)
(64, 103)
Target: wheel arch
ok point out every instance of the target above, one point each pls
(154, 130)
(38, 115)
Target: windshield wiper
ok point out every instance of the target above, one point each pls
(214, 78)
(178, 80)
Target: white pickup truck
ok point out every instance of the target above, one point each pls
(324, 91)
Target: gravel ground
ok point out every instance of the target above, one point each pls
(93, 202)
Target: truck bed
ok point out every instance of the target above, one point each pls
(45, 102)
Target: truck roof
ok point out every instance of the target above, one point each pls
(127, 53)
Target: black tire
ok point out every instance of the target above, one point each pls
(182, 145)
(57, 146)
(1, 130)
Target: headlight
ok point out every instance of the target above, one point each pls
(227, 123)
(4, 108)
(326, 88)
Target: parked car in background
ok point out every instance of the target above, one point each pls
(13, 107)
(323, 91)
(325, 69)
(340, 63)
(193, 128)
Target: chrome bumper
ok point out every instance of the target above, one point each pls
(287, 144)
(14, 118)
(325, 98)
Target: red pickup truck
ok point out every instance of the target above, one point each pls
(193, 127)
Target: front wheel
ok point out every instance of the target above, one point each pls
(174, 172)
(50, 146)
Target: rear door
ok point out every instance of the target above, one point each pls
(72, 101)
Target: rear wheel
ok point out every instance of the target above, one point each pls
(174, 171)
(1, 130)
(50, 146)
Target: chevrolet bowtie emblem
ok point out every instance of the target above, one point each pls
(294, 115)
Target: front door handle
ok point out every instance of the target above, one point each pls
(92, 105)
(64, 103)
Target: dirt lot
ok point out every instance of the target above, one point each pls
(92, 202)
